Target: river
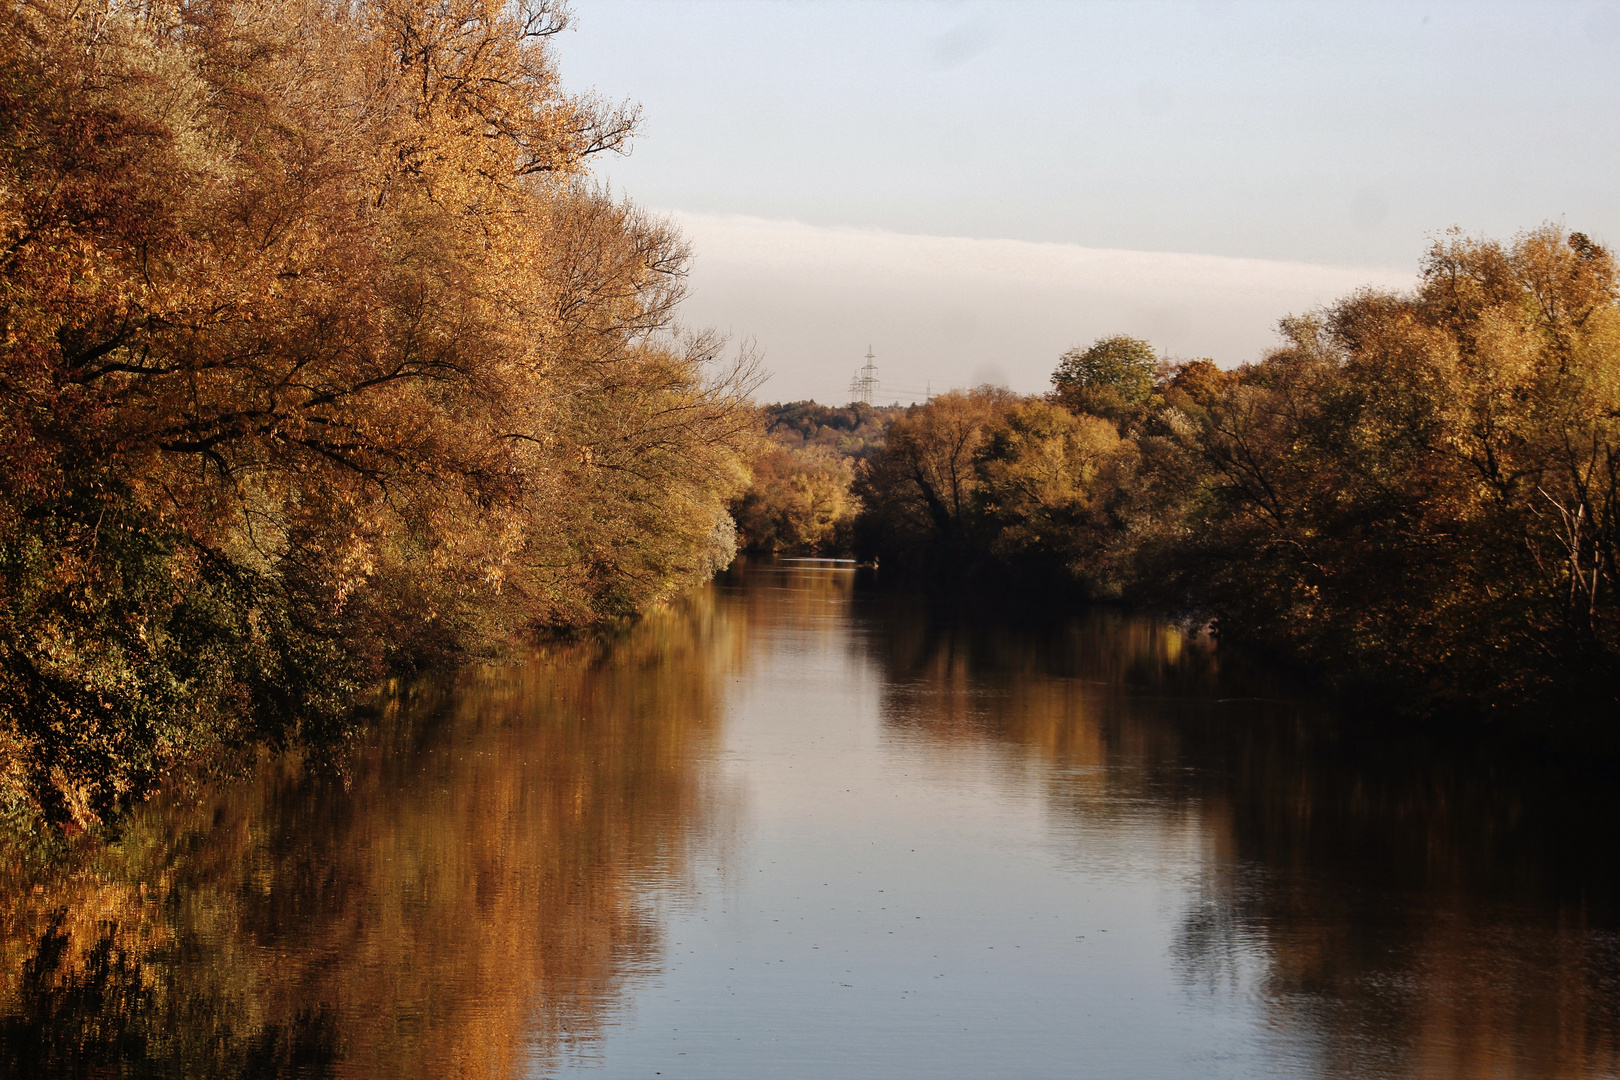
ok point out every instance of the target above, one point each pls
(803, 826)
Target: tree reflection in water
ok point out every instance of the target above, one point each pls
(474, 890)
(1402, 905)
(483, 886)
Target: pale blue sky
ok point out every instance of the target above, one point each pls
(1336, 134)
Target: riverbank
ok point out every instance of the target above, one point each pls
(1414, 497)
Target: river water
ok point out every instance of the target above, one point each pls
(801, 826)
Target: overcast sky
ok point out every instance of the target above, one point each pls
(971, 188)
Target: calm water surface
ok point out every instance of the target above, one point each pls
(801, 827)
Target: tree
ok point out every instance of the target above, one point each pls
(1416, 494)
(1419, 491)
(798, 501)
(323, 357)
(1112, 377)
(918, 490)
(1046, 483)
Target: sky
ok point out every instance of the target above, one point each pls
(969, 189)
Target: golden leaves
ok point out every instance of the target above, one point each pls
(322, 295)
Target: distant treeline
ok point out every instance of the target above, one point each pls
(800, 499)
(1415, 495)
(322, 358)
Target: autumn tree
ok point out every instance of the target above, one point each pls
(919, 489)
(1417, 493)
(322, 357)
(1048, 485)
(798, 501)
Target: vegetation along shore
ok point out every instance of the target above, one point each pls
(323, 359)
(1415, 495)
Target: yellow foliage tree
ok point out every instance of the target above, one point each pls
(321, 356)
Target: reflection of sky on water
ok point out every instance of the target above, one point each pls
(982, 844)
(802, 827)
(911, 899)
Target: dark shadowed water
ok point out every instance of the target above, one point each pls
(800, 827)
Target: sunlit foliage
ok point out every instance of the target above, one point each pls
(1111, 377)
(322, 357)
(919, 491)
(854, 431)
(798, 501)
(800, 498)
(1417, 493)
(1421, 489)
(1048, 486)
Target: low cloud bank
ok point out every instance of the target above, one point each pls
(943, 311)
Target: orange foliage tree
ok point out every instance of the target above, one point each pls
(1422, 489)
(1417, 494)
(321, 356)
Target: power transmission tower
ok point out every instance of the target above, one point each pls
(864, 386)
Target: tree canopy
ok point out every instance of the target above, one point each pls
(1418, 494)
(1111, 374)
(322, 357)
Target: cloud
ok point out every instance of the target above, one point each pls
(943, 311)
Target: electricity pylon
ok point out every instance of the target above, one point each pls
(864, 386)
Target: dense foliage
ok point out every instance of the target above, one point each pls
(853, 431)
(800, 499)
(1416, 492)
(322, 357)
(1111, 377)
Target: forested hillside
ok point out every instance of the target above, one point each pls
(1415, 494)
(323, 358)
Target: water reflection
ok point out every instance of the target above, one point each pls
(1400, 905)
(950, 841)
(1427, 910)
(471, 894)
(1067, 687)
